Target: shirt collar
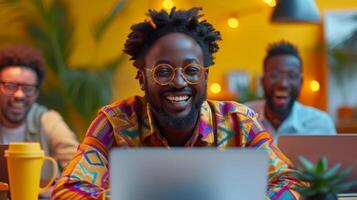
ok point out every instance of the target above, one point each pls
(205, 124)
(148, 127)
(291, 121)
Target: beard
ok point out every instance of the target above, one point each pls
(13, 118)
(282, 111)
(173, 121)
(16, 118)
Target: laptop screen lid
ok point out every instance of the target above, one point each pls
(337, 149)
(190, 174)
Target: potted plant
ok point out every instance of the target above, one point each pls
(323, 183)
(343, 68)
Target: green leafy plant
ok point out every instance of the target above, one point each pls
(83, 88)
(247, 93)
(323, 183)
(343, 61)
(342, 58)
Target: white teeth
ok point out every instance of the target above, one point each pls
(18, 105)
(282, 93)
(177, 98)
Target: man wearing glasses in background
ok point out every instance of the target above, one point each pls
(280, 112)
(21, 119)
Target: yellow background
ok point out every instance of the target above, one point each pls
(242, 48)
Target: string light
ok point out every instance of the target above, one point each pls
(314, 86)
(167, 4)
(215, 88)
(233, 22)
(271, 3)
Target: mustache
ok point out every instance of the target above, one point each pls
(185, 89)
(16, 99)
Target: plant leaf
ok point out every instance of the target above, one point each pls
(88, 89)
(40, 7)
(332, 171)
(322, 164)
(345, 172)
(307, 165)
(113, 64)
(104, 23)
(344, 186)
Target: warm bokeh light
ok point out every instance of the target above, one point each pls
(167, 4)
(271, 3)
(215, 88)
(233, 22)
(314, 86)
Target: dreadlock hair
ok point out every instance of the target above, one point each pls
(23, 56)
(160, 23)
(282, 48)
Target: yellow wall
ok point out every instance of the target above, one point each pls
(241, 49)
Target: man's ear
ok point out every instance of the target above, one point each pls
(140, 76)
(36, 95)
(302, 80)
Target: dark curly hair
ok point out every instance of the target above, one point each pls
(24, 56)
(144, 34)
(282, 48)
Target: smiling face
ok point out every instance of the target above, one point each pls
(282, 83)
(15, 107)
(176, 104)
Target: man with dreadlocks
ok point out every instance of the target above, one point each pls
(172, 53)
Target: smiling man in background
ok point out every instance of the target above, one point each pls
(280, 112)
(21, 118)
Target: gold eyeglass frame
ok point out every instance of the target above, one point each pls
(154, 68)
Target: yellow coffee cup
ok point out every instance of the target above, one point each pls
(24, 163)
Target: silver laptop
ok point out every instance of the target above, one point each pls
(337, 148)
(188, 174)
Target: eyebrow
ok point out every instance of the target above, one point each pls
(18, 83)
(187, 61)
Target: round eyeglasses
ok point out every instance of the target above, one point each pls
(276, 76)
(9, 88)
(163, 74)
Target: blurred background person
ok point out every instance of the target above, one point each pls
(21, 118)
(282, 79)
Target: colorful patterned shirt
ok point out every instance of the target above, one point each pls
(130, 124)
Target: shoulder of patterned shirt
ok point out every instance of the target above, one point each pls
(256, 105)
(125, 108)
(232, 107)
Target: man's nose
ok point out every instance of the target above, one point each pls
(19, 93)
(178, 81)
(283, 80)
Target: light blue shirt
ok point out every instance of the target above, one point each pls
(303, 120)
